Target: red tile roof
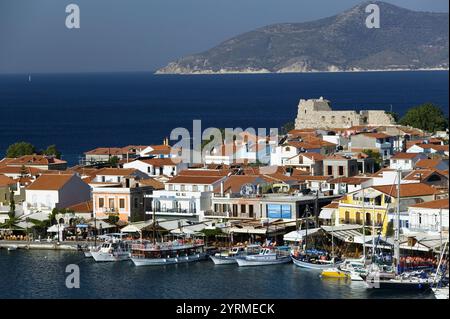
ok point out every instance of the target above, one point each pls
(434, 204)
(50, 182)
(407, 190)
(405, 155)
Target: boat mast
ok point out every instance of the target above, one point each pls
(154, 221)
(364, 224)
(373, 229)
(397, 224)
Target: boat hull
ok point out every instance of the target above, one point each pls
(308, 265)
(223, 260)
(109, 257)
(398, 284)
(245, 262)
(167, 261)
(335, 273)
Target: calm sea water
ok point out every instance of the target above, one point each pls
(78, 112)
(41, 274)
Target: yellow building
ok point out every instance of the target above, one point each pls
(380, 202)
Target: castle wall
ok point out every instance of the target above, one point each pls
(317, 113)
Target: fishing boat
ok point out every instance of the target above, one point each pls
(167, 253)
(229, 257)
(113, 250)
(310, 261)
(266, 256)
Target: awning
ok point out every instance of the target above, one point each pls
(56, 228)
(100, 224)
(297, 235)
(82, 226)
(189, 229)
(345, 233)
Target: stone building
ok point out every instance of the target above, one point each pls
(317, 113)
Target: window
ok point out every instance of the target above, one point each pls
(195, 188)
(378, 218)
(170, 187)
(101, 202)
(243, 209)
(183, 188)
(235, 213)
(111, 203)
(122, 203)
(279, 211)
(358, 217)
(387, 199)
(250, 210)
(394, 161)
(341, 170)
(149, 170)
(406, 161)
(287, 149)
(329, 170)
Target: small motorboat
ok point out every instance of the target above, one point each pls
(266, 256)
(12, 247)
(111, 251)
(230, 256)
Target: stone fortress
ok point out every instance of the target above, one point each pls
(317, 113)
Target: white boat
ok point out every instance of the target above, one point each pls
(441, 293)
(355, 268)
(12, 247)
(167, 253)
(266, 256)
(111, 251)
(313, 263)
(230, 256)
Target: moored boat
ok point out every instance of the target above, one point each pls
(266, 256)
(335, 273)
(230, 256)
(111, 251)
(166, 253)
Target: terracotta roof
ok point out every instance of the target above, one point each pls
(116, 171)
(406, 190)
(35, 160)
(204, 180)
(419, 174)
(204, 172)
(24, 181)
(50, 182)
(235, 182)
(304, 145)
(332, 205)
(314, 156)
(6, 181)
(18, 170)
(428, 163)
(151, 182)
(433, 146)
(434, 204)
(84, 207)
(161, 161)
(405, 155)
(106, 151)
(304, 178)
(5, 161)
(376, 135)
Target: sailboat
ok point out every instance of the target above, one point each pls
(313, 259)
(395, 280)
(440, 288)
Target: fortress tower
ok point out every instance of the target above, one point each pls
(317, 113)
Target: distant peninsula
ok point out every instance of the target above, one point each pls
(406, 40)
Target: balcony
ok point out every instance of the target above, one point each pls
(210, 213)
(351, 221)
(174, 212)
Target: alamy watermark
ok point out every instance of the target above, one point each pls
(73, 279)
(373, 19)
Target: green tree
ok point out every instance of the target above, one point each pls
(427, 117)
(20, 149)
(376, 156)
(12, 203)
(113, 161)
(390, 229)
(52, 151)
(287, 127)
(113, 219)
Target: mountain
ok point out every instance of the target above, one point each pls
(406, 39)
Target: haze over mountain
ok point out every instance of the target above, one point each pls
(406, 40)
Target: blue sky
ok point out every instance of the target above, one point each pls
(142, 35)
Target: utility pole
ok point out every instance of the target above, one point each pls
(364, 224)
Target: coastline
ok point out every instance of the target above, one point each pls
(208, 72)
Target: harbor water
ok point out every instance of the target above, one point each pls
(42, 274)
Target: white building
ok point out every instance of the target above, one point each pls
(157, 166)
(405, 161)
(55, 191)
(186, 196)
(426, 217)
